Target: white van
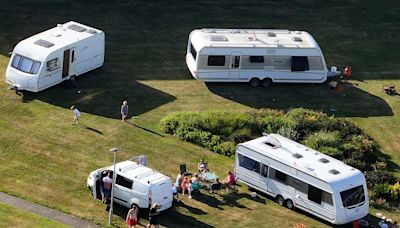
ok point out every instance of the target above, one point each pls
(55, 55)
(298, 176)
(257, 56)
(135, 184)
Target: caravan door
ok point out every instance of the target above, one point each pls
(235, 65)
(68, 66)
(264, 175)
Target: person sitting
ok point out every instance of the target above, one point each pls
(202, 166)
(230, 180)
(215, 186)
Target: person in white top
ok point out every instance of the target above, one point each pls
(77, 114)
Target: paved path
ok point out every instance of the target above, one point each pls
(45, 211)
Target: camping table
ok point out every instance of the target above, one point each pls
(208, 176)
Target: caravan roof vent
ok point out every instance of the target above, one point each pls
(334, 171)
(272, 142)
(271, 34)
(251, 38)
(218, 38)
(297, 39)
(91, 31)
(323, 160)
(77, 28)
(44, 43)
(208, 30)
(296, 155)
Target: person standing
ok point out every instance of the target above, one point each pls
(153, 216)
(131, 217)
(76, 113)
(107, 184)
(124, 111)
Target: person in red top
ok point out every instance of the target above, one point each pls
(230, 180)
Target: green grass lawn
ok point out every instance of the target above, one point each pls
(47, 160)
(12, 217)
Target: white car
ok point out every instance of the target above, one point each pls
(135, 184)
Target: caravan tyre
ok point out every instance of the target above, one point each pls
(289, 204)
(254, 82)
(266, 82)
(280, 200)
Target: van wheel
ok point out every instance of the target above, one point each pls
(280, 200)
(254, 82)
(266, 82)
(289, 204)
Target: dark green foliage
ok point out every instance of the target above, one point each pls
(381, 190)
(221, 131)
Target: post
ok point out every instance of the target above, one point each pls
(110, 212)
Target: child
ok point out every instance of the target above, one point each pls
(131, 218)
(77, 114)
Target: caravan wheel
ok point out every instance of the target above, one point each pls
(289, 204)
(280, 200)
(72, 78)
(254, 82)
(266, 82)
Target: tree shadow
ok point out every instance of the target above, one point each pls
(94, 95)
(352, 102)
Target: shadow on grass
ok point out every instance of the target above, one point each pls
(353, 102)
(144, 129)
(168, 218)
(90, 129)
(96, 96)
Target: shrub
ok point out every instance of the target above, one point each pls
(381, 190)
(395, 191)
(380, 203)
(379, 176)
(226, 148)
(321, 139)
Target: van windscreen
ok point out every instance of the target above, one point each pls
(25, 64)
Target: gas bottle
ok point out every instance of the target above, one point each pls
(347, 72)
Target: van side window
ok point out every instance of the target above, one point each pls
(314, 194)
(125, 182)
(216, 60)
(249, 163)
(300, 63)
(52, 64)
(256, 59)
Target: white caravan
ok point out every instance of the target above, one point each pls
(135, 184)
(300, 177)
(258, 56)
(55, 55)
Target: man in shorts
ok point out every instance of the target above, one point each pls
(153, 215)
(77, 114)
(107, 184)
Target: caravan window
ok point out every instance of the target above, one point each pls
(52, 64)
(314, 194)
(26, 65)
(249, 163)
(300, 63)
(256, 59)
(125, 182)
(193, 51)
(280, 176)
(264, 170)
(327, 198)
(216, 60)
(353, 196)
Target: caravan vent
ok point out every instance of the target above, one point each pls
(91, 31)
(272, 142)
(218, 38)
(271, 34)
(297, 39)
(334, 171)
(77, 28)
(323, 160)
(296, 155)
(44, 43)
(251, 38)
